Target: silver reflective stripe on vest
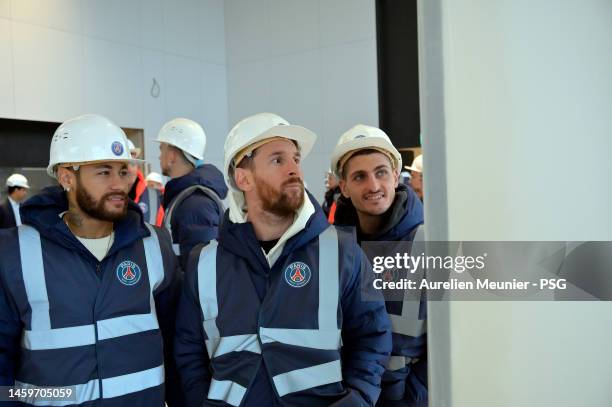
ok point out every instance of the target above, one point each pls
(152, 193)
(328, 279)
(155, 262)
(59, 338)
(207, 289)
(409, 323)
(34, 277)
(400, 362)
(309, 377)
(112, 387)
(228, 391)
(127, 325)
(132, 382)
(236, 343)
(396, 363)
(167, 221)
(82, 392)
(309, 338)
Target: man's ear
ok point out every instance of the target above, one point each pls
(396, 174)
(243, 177)
(344, 188)
(66, 178)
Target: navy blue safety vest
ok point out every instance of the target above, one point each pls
(295, 330)
(167, 221)
(108, 346)
(407, 323)
(149, 204)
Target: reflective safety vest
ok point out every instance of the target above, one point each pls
(408, 323)
(295, 331)
(167, 220)
(112, 350)
(399, 381)
(150, 205)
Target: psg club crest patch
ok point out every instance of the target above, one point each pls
(117, 148)
(128, 273)
(297, 274)
(143, 207)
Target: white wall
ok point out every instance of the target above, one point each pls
(62, 58)
(516, 106)
(311, 61)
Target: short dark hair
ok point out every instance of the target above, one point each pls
(181, 154)
(247, 160)
(365, 151)
(13, 189)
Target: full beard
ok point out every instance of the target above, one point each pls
(96, 209)
(280, 202)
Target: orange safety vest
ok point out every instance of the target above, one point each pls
(332, 213)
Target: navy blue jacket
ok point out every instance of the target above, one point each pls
(196, 219)
(7, 217)
(401, 221)
(365, 326)
(64, 257)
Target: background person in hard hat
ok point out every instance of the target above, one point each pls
(416, 175)
(192, 198)
(137, 179)
(331, 194)
(151, 203)
(155, 180)
(151, 200)
(17, 189)
(266, 307)
(87, 290)
(368, 166)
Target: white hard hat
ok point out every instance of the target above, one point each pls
(85, 139)
(133, 148)
(417, 164)
(260, 127)
(185, 135)
(17, 180)
(363, 137)
(155, 177)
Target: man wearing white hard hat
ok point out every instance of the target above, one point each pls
(87, 289)
(154, 180)
(137, 179)
(332, 193)
(192, 198)
(271, 312)
(17, 189)
(151, 200)
(416, 175)
(368, 166)
(148, 199)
